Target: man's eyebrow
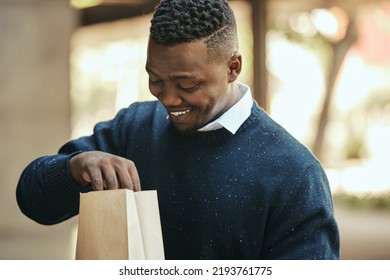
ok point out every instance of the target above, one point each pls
(178, 76)
(183, 76)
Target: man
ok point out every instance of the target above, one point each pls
(232, 184)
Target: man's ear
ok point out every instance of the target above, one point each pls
(235, 67)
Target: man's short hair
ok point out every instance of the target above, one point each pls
(184, 21)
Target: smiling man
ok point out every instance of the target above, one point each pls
(231, 182)
(194, 88)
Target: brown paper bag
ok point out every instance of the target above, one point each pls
(119, 225)
(149, 220)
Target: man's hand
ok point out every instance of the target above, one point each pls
(104, 171)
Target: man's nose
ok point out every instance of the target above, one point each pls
(169, 96)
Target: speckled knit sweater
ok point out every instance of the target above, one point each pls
(257, 194)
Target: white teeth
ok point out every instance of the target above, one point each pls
(176, 114)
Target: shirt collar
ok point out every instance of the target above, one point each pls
(233, 118)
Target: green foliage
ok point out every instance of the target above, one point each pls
(367, 202)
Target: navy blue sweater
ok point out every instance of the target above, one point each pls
(257, 194)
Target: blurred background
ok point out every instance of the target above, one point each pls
(321, 68)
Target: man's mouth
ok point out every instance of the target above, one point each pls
(179, 113)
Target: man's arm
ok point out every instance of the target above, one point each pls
(302, 225)
(46, 192)
(49, 187)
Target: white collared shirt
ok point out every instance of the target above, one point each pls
(233, 118)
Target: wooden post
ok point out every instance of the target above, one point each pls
(259, 26)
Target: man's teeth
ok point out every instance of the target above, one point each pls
(176, 114)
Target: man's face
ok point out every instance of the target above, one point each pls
(194, 88)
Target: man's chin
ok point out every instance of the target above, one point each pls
(185, 130)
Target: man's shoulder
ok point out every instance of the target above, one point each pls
(143, 110)
(277, 143)
(147, 106)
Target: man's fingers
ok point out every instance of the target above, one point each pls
(128, 179)
(126, 184)
(110, 178)
(105, 171)
(134, 177)
(96, 180)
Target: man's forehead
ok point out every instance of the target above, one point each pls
(194, 53)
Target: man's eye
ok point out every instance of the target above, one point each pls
(187, 87)
(155, 82)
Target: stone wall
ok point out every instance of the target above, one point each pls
(34, 115)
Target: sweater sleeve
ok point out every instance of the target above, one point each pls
(302, 225)
(46, 191)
